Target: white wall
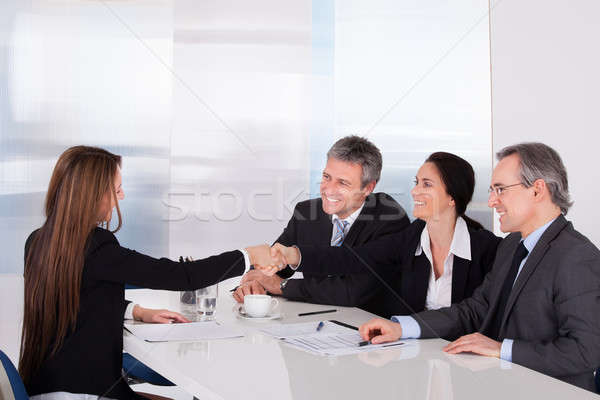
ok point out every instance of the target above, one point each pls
(545, 86)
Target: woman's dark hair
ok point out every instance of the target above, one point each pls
(459, 178)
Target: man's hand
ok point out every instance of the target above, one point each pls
(475, 343)
(251, 287)
(157, 316)
(272, 284)
(380, 330)
(261, 257)
(252, 275)
(283, 255)
(290, 255)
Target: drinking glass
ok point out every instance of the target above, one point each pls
(206, 302)
(188, 303)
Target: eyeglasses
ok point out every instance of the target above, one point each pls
(500, 189)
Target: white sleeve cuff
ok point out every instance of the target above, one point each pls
(129, 311)
(506, 350)
(410, 326)
(246, 260)
(299, 260)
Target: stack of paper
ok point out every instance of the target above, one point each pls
(182, 331)
(331, 339)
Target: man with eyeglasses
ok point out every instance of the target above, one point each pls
(540, 305)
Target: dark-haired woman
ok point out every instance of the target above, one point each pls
(75, 273)
(438, 260)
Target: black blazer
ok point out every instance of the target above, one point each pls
(310, 225)
(90, 360)
(397, 279)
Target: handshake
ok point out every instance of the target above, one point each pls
(270, 259)
(267, 261)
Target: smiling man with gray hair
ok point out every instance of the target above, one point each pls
(348, 212)
(540, 305)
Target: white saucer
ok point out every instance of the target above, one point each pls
(238, 310)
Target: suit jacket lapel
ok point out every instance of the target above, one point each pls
(532, 262)
(414, 274)
(502, 265)
(352, 236)
(415, 281)
(460, 272)
(366, 214)
(325, 229)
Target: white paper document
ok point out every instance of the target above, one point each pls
(331, 339)
(285, 331)
(182, 331)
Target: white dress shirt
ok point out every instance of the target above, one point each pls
(439, 292)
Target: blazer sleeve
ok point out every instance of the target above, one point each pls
(288, 238)
(575, 349)
(465, 317)
(376, 256)
(289, 235)
(112, 262)
(345, 290)
(349, 291)
(459, 319)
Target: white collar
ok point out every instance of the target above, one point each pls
(350, 218)
(461, 241)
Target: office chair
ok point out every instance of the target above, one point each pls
(11, 385)
(137, 372)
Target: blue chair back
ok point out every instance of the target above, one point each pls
(10, 381)
(135, 369)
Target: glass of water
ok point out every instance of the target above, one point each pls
(188, 304)
(206, 302)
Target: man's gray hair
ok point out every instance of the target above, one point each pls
(359, 150)
(540, 161)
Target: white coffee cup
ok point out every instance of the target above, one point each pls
(259, 305)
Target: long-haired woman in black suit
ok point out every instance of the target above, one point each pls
(75, 272)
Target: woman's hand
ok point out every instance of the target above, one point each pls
(157, 316)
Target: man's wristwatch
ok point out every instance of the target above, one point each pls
(283, 284)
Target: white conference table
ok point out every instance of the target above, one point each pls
(258, 366)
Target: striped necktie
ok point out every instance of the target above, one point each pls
(339, 236)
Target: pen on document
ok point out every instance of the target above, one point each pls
(316, 312)
(393, 344)
(367, 342)
(320, 326)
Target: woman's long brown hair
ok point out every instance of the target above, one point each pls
(76, 202)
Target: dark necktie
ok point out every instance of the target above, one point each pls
(520, 254)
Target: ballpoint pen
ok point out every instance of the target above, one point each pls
(316, 312)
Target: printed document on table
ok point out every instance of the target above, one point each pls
(284, 331)
(182, 331)
(331, 340)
